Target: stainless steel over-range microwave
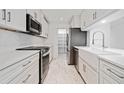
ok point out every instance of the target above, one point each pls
(32, 25)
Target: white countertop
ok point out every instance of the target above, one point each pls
(97, 51)
(10, 57)
(117, 60)
(114, 56)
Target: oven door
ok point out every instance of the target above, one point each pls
(45, 66)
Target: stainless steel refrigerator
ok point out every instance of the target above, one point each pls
(75, 37)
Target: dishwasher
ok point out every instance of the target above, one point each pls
(76, 59)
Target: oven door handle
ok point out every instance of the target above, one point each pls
(45, 54)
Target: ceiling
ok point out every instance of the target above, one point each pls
(61, 16)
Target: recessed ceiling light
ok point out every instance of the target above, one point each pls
(61, 18)
(103, 21)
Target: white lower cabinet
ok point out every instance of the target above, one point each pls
(25, 71)
(105, 79)
(89, 75)
(29, 76)
(111, 74)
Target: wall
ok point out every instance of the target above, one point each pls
(52, 38)
(13, 40)
(117, 34)
(105, 28)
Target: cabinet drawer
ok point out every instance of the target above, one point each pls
(9, 73)
(90, 58)
(30, 76)
(112, 71)
(105, 79)
(26, 77)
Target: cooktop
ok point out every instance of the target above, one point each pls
(44, 49)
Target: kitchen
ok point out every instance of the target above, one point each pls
(29, 46)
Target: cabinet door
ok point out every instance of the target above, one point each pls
(75, 23)
(92, 76)
(44, 28)
(47, 30)
(2, 16)
(89, 75)
(38, 15)
(87, 17)
(83, 20)
(82, 68)
(16, 19)
(31, 12)
(90, 16)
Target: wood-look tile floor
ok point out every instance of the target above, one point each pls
(61, 73)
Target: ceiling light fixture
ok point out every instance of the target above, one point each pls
(103, 21)
(61, 18)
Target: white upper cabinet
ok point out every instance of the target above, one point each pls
(99, 13)
(83, 19)
(87, 17)
(45, 27)
(31, 12)
(38, 15)
(90, 16)
(2, 16)
(75, 22)
(16, 19)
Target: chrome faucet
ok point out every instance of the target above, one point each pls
(103, 43)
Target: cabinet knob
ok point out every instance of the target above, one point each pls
(26, 64)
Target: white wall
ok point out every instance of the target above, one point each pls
(117, 34)
(52, 38)
(105, 28)
(13, 40)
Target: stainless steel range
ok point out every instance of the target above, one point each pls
(43, 60)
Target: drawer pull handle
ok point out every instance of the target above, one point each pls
(84, 68)
(115, 73)
(4, 14)
(26, 64)
(9, 16)
(26, 78)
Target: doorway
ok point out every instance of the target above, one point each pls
(62, 42)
